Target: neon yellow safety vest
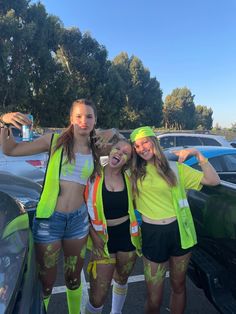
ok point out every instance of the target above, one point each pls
(51, 187)
(93, 197)
(184, 217)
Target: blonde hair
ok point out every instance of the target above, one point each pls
(138, 166)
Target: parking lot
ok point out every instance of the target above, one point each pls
(196, 301)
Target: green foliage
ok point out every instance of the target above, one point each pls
(44, 67)
(179, 109)
(140, 99)
(203, 117)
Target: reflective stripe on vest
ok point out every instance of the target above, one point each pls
(183, 203)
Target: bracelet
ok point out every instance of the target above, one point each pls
(203, 162)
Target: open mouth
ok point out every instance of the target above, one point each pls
(115, 160)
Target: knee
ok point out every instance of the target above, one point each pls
(72, 283)
(178, 287)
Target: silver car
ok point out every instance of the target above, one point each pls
(31, 167)
(20, 289)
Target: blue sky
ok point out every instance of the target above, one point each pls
(184, 43)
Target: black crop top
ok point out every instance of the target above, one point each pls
(115, 204)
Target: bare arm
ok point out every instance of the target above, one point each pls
(97, 241)
(11, 148)
(210, 177)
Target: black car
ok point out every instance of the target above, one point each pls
(20, 289)
(213, 262)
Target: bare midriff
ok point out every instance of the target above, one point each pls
(71, 196)
(117, 221)
(164, 221)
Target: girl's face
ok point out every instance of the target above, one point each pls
(83, 119)
(120, 154)
(144, 148)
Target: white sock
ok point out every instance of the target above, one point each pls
(118, 297)
(90, 309)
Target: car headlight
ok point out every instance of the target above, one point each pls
(26, 202)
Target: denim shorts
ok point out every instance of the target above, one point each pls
(59, 226)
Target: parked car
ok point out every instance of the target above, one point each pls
(24, 191)
(191, 139)
(20, 289)
(17, 133)
(223, 159)
(213, 262)
(233, 143)
(31, 167)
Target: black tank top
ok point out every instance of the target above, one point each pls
(115, 204)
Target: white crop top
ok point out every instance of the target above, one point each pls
(78, 170)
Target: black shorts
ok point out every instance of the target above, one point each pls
(119, 238)
(160, 242)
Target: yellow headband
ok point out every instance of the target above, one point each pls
(141, 132)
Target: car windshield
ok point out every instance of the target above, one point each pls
(14, 237)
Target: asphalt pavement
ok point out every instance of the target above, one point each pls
(197, 303)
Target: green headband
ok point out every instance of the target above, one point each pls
(141, 132)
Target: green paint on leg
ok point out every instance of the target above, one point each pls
(50, 259)
(70, 264)
(127, 268)
(83, 251)
(158, 277)
(181, 266)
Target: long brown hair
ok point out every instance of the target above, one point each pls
(66, 139)
(138, 166)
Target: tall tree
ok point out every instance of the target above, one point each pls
(27, 67)
(179, 109)
(142, 96)
(204, 118)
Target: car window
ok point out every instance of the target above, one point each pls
(209, 141)
(230, 161)
(187, 141)
(14, 237)
(167, 141)
(170, 156)
(218, 163)
(16, 132)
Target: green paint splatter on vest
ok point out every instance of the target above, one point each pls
(67, 168)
